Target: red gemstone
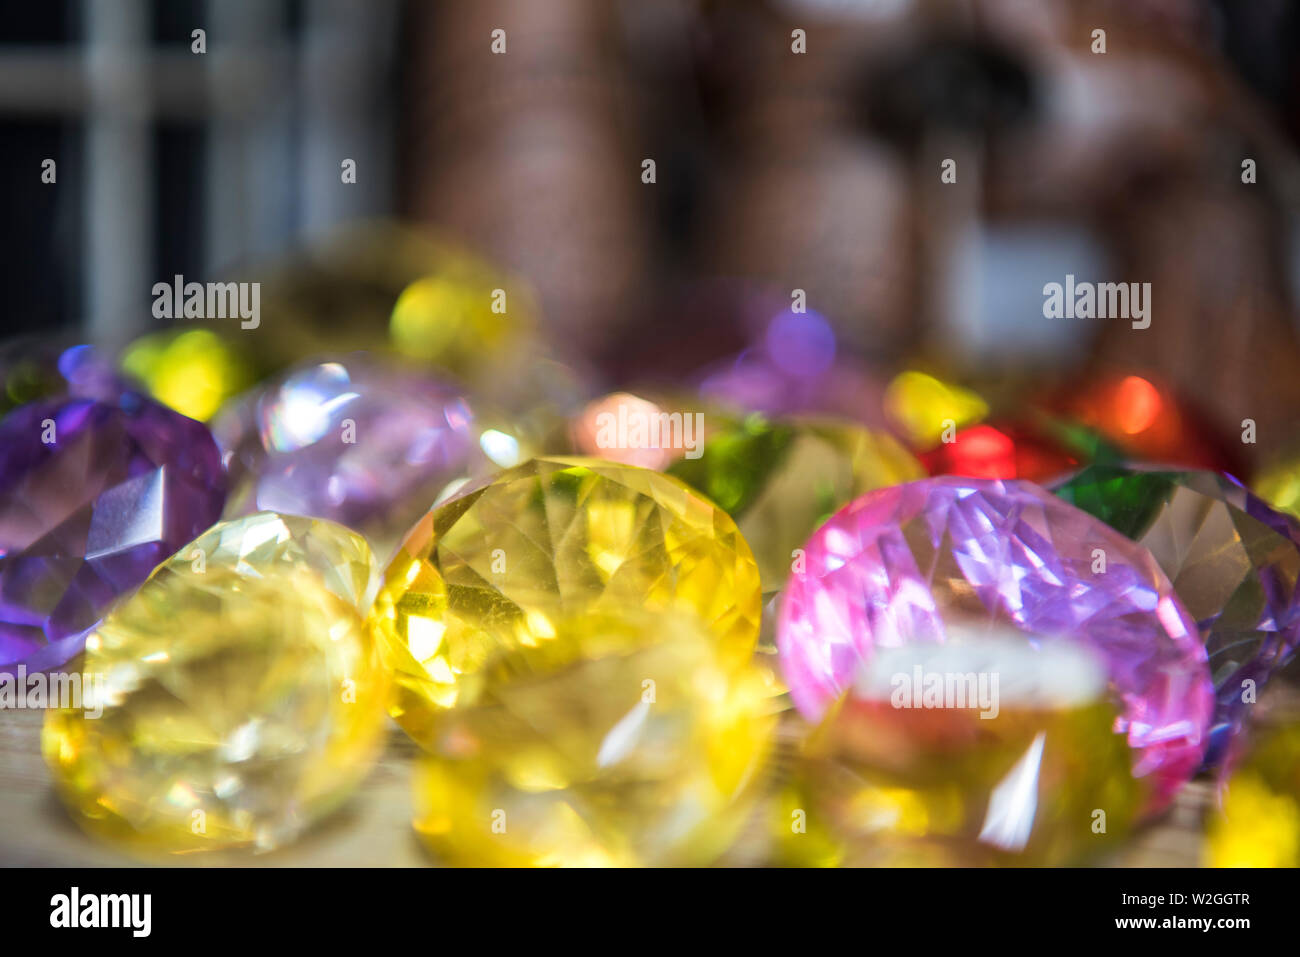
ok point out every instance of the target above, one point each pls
(1002, 451)
(1147, 421)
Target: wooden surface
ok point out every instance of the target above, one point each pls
(374, 829)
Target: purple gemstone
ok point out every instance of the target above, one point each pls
(355, 441)
(32, 369)
(793, 369)
(902, 564)
(93, 495)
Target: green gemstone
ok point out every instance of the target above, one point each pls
(1125, 499)
(1233, 561)
(780, 480)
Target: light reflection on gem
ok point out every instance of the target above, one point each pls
(980, 552)
(1014, 802)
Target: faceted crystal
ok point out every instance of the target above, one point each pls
(242, 697)
(1278, 483)
(980, 751)
(781, 480)
(92, 496)
(1258, 820)
(385, 287)
(1145, 420)
(610, 741)
(32, 369)
(633, 430)
(1234, 562)
(193, 372)
(904, 564)
(360, 441)
(488, 572)
(791, 366)
(921, 407)
(1005, 450)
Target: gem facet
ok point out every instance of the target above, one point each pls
(980, 751)
(494, 567)
(904, 564)
(611, 741)
(359, 441)
(1234, 562)
(241, 695)
(92, 496)
(780, 480)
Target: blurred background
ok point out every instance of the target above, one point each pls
(773, 169)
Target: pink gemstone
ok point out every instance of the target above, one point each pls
(902, 564)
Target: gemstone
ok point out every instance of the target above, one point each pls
(1005, 450)
(361, 441)
(1278, 483)
(345, 292)
(633, 430)
(792, 366)
(487, 572)
(193, 372)
(1258, 820)
(610, 741)
(903, 564)
(921, 407)
(451, 317)
(92, 496)
(780, 480)
(752, 383)
(1145, 420)
(1234, 562)
(242, 697)
(981, 751)
(32, 369)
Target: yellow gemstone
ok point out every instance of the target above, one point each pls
(241, 696)
(979, 752)
(922, 407)
(780, 480)
(193, 372)
(1278, 484)
(489, 572)
(611, 741)
(338, 295)
(458, 315)
(1259, 821)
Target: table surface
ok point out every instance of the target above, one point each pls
(374, 830)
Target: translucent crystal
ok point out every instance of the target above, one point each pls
(241, 696)
(1233, 561)
(490, 571)
(908, 563)
(780, 480)
(1030, 774)
(1258, 822)
(611, 741)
